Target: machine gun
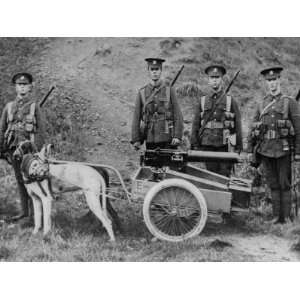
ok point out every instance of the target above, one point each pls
(178, 159)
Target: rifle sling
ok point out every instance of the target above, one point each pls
(150, 98)
(206, 120)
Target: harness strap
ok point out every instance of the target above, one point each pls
(41, 187)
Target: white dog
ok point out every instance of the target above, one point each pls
(36, 172)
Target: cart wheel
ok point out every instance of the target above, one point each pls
(174, 210)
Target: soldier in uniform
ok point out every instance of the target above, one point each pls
(157, 118)
(275, 132)
(21, 120)
(223, 130)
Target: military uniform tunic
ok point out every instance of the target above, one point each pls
(274, 149)
(212, 139)
(162, 116)
(20, 109)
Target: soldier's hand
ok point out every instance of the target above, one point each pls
(175, 142)
(297, 157)
(137, 146)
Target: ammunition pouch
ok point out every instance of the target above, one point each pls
(30, 123)
(285, 128)
(229, 115)
(229, 124)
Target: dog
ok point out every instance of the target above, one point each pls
(37, 171)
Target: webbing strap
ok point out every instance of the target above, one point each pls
(10, 115)
(228, 103)
(285, 108)
(202, 103)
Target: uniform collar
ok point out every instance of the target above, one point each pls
(270, 97)
(158, 84)
(213, 92)
(23, 100)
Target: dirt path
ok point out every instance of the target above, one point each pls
(264, 247)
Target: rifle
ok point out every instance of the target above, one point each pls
(46, 96)
(298, 96)
(294, 193)
(177, 75)
(205, 121)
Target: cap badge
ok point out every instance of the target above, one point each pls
(271, 72)
(215, 70)
(22, 78)
(154, 62)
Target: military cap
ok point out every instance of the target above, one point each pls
(155, 61)
(22, 78)
(215, 70)
(271, 73)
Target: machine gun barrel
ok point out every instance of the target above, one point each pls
(210, 156)
(171, 157)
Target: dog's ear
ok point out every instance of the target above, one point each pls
(42, 154)
(49, 149)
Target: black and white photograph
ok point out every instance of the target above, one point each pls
(149, 149)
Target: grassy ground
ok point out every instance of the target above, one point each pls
(76, 237)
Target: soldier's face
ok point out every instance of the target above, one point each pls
(23, 89)
(273, 85)
(214, 82)
(154, 73)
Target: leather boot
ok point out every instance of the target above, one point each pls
(275, 194)
(286, 205)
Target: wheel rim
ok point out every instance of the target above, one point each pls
(175, 211)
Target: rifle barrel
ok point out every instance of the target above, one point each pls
(46, 96)
(177, 75)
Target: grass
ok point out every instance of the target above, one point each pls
(77, 238)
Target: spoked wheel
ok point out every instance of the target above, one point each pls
(175, 210)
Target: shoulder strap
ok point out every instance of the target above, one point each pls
(228, 103)
(32, 109)
(266, 108)
(143, 96)
(168, 93)
(286, 108)
(202, 102)
(10, 115)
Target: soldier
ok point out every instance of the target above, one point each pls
(223, 129)
(275, 132)
(21, 120)
(157, 118)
